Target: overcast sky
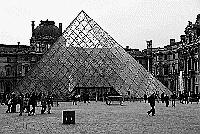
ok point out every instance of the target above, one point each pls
(129, 22)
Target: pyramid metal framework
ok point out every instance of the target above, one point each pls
(87, 56)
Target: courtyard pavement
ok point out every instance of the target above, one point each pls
(97, 117)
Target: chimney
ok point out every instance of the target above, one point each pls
(172, 41)
(127, 47)
(18, 43)
(149, 44)
(60, 28)
(33, 26)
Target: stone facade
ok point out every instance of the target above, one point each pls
(17, 60)
(177, 65)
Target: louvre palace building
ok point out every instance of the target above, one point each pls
(16, 60)
(175, 65)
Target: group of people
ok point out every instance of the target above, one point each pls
(164, 98)
(11, 101)
(77, 97)
(28, 103)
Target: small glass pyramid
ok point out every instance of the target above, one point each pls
(87, 56)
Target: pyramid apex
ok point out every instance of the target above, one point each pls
(82, 11)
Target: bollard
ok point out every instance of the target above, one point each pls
(68, 117)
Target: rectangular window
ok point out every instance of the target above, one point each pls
(197, 89)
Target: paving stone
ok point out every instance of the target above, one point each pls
(97, 117)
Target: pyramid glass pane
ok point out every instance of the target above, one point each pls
(85, 55)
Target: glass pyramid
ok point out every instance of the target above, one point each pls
(87, 56)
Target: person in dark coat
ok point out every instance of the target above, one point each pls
(33, 102)
(88, 97)
(105, 97)
(181, 98)
(21, 104)
(84, 96)
(151, 101)
(49, 103)
(186, 98)
(162, 97)
(43, 103)
(13, 102)
(8, 103)
(173, 97)
(26, 104)
(74, 99)
(145, 98)
(167, 100)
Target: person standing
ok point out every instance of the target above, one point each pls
(173, 97)
(162, 97)
(106, 97)
(181, 98)
(13, 102)
(74, 99)
(49, 103)
(151, 100)
(84, 96)
(88, 97)
(186, 98)
(43, 103)
(33, 102)
(145, 98)
(26, 103)
(8, 103)
(167, 100)
(21, 104)
(157, 97)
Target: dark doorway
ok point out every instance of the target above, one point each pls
(95, 93)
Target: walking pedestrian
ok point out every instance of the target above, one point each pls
(151, 100)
